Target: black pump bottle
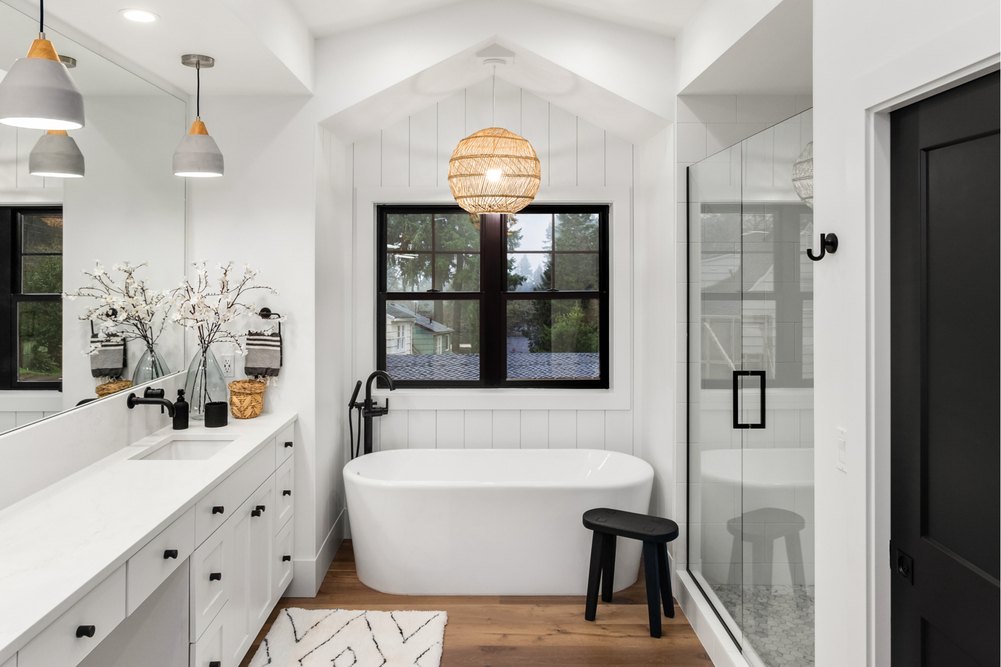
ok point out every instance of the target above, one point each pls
(180, 412)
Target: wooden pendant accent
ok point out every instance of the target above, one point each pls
(198, 127)
(42, 48)
(61, 133)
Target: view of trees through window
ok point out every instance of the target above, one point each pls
(436, 289)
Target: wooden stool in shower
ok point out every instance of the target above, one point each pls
(769, 524)
(655, 533)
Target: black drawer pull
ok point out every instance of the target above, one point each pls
(170, 553)
(215, 663)
(261, 507)
(287, 492)
(286, 559)
(215, 576)
(86, 631)
(255, 512)
(218, 509)
(288, 444)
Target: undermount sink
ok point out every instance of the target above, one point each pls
(185, 449)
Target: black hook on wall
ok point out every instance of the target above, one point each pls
(828, 244)
(266, 314)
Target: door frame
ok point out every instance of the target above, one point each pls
(872, 95)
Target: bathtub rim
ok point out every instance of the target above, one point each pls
(646, 474)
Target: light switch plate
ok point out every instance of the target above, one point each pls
(842, 450)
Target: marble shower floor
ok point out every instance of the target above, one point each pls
(776, 620)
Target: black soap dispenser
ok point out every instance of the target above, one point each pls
(180, 412)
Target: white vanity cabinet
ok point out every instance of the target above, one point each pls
(223, 559)
(255, 573)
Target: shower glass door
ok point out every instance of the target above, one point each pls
(750, 451)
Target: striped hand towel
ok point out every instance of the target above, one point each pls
(264, 354)
(110, 359)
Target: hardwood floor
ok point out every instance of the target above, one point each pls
(496, 631)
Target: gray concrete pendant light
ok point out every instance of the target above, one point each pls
(38, 91)
(56, 155)
(198, 156)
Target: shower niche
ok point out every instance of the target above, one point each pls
(750, 391)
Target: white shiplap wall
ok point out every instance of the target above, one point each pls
(414, 153)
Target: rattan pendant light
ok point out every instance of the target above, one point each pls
(494, 170)
(802, 175)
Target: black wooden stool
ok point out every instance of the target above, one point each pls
(655, 533)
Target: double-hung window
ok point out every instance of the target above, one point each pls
(494, 300)
(31, 309)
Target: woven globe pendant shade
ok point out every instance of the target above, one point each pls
(802, 175)
(494, 171)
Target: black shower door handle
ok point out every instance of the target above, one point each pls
(736, 403)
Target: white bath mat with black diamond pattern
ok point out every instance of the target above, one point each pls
(353, 638)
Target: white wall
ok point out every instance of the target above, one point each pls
(17, 186)
(264, 212)
(901, 49)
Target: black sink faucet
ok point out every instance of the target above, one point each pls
(370, 409)
(152, 396)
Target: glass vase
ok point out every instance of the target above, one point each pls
(150, 367)
(205, 383)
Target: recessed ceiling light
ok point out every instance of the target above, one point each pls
(139, 15)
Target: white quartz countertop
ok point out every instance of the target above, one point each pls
(58, 544)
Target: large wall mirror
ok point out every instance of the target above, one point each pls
(128, 207)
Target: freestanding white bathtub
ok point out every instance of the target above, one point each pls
(488, 522)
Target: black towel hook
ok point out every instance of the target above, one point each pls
(266, 314)
(828, 244)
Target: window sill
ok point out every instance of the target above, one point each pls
(505, 399)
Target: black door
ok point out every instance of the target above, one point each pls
(946, 439)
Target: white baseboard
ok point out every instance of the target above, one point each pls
(709, 629)
(308, 573)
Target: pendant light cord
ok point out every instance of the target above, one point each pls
(41, 18)
(198, 89)
(493, 99)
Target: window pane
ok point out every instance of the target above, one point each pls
(408, 272)
(41, 274)
(433, 340)
(457, 231)
(577, 231)
(42, 232)
(577, 271)
(528, 231)
(553, 339)
(457, 273)
(408, 232)
(39, 341)
(526, 272)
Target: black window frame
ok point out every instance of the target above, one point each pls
(11, 295)
(493, 297)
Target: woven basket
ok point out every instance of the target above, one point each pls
(109, 388)
(246, 398)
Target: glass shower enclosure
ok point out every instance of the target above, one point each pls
(750, 392)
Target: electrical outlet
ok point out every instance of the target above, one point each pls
(228, 369)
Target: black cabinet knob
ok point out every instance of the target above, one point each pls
(261, 507)
(288, 444)
(170, 553)
(255, 512)
(287, 492)
(286, 559)
(86, 631)
(218, 509)
(215, 576)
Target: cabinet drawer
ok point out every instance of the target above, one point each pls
(284, 557)
(213, 510)
(284, 492)
(260, 585)
(285, 444)
(212, 646)
(11, 662)
(211, 579)
(100, 611)
(157, 560)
